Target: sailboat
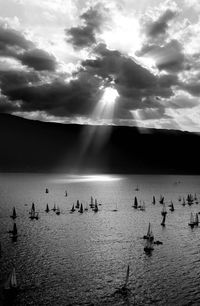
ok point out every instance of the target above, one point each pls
(47, 208)
(183, 203)
(72, 209)
(14, 215)
(196, 220)
(137, 188)
(192, 222)
(58, 211)
(14, 233)
(47, 190)
(123, 289)
(148, 246)
(154, 200)
(33, 207)
(66, 193)
(54, 207)
(149, 235)
(77, 204)
(81, 209)
(91, 202)
(95, 209)
(135, 205)
(161, 199)
(164, 211)
(171, 207)
(11, 283)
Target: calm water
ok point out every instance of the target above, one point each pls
(75, 259)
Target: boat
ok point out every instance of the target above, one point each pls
(161, 199)
(91, 202)
(77, 204)
(135, 205)
(14, 215)
(47, 208)
(183, 203)
(73, 209)
(123, 289)
(34, 215)
(148, 248)
(192, 221)
(164, 211)
(171, 207)
(33, 207)
(154, 200)
(190, 199)
(81, 209)
(11, 284)
(47, 190)
(179, 198)
(96, 209)
(196, 219)
(137, 188)
(58, 211)
(14, 233)
(66, 193)
(149, 235)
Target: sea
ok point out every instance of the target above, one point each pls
(81, 259)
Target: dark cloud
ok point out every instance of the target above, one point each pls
(38, 59)
(85, 35)
(169, 57)
(12, 41)
(160, 26)
(78, 97)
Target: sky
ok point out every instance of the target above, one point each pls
(127, 62)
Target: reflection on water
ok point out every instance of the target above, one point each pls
(87, 178)
(80, 259)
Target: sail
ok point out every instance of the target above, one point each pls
(135, 202)
(191, 218)
(92, 201)
(127, 277)
(196, 219)
(14, 213)
(95, 201)
(154, 200)
(33, 207)
(13, 280)
(15, 229)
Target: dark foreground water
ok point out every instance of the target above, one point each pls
(80, 259)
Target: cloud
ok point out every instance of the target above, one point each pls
(38, 59)
(85, 35)
(169, 57)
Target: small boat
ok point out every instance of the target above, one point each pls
(161, 199)
(192, 222)
(14, 215)
(148, 248)
(91, 202)
(149, 235)
(54, 207)
(96, 209)
(11, 283)
(73, 209)
(33, 207)
(135, 205)
(77, 204)
(196, 220)
(171, 207)
(46, 190)
(123, 289)
(81, 209)
(58, 211)
(164, 211)
(34, 215)
(14, 233)
(183, 203)
(47, 208)
(154, 200)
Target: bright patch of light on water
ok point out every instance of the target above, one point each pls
(87, 178)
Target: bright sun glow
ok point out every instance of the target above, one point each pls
(110, 95)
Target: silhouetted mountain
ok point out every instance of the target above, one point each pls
(34, 146)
